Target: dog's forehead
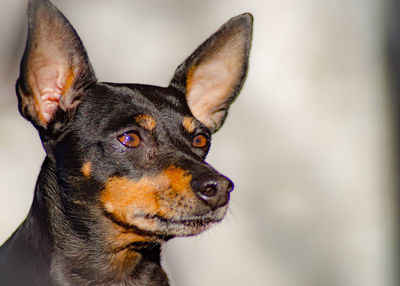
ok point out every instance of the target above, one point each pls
(143, 96)
(114, 104)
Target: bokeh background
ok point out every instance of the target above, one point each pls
(310, 142)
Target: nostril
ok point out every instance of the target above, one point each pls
(210, 189)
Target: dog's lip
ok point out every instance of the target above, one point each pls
(156, 225)
(183, 225)
(198, 219)
(211, 216)
(175, 227)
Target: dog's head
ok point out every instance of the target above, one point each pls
(135, 152)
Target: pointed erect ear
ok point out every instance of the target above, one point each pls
(55, 68)
(213, 75)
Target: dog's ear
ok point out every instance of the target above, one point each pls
(55, 68)
(213, 75)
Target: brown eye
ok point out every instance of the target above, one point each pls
(200, 141)
(130, 139)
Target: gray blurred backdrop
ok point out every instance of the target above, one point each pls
(309, 142)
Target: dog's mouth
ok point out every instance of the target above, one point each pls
(180, 226)
(165, 228)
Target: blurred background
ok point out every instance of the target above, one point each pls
(310, 142)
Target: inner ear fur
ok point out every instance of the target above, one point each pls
(213, 75)
(54, 67)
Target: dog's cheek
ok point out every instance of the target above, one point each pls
(125, 199)
(167, 195)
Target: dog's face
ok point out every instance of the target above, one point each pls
(145, 151)
(134, 153)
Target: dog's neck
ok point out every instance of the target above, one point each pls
(128, 267)
(85, 251)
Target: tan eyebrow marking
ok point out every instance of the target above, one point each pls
(87, 169)
(146, 121)
(189, 124)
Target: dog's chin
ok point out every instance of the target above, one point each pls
(187, 225)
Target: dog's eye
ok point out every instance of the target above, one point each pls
(130, 139)
(200, 141)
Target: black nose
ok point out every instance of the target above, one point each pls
(212, 189)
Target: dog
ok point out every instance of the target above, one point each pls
(125, 167)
